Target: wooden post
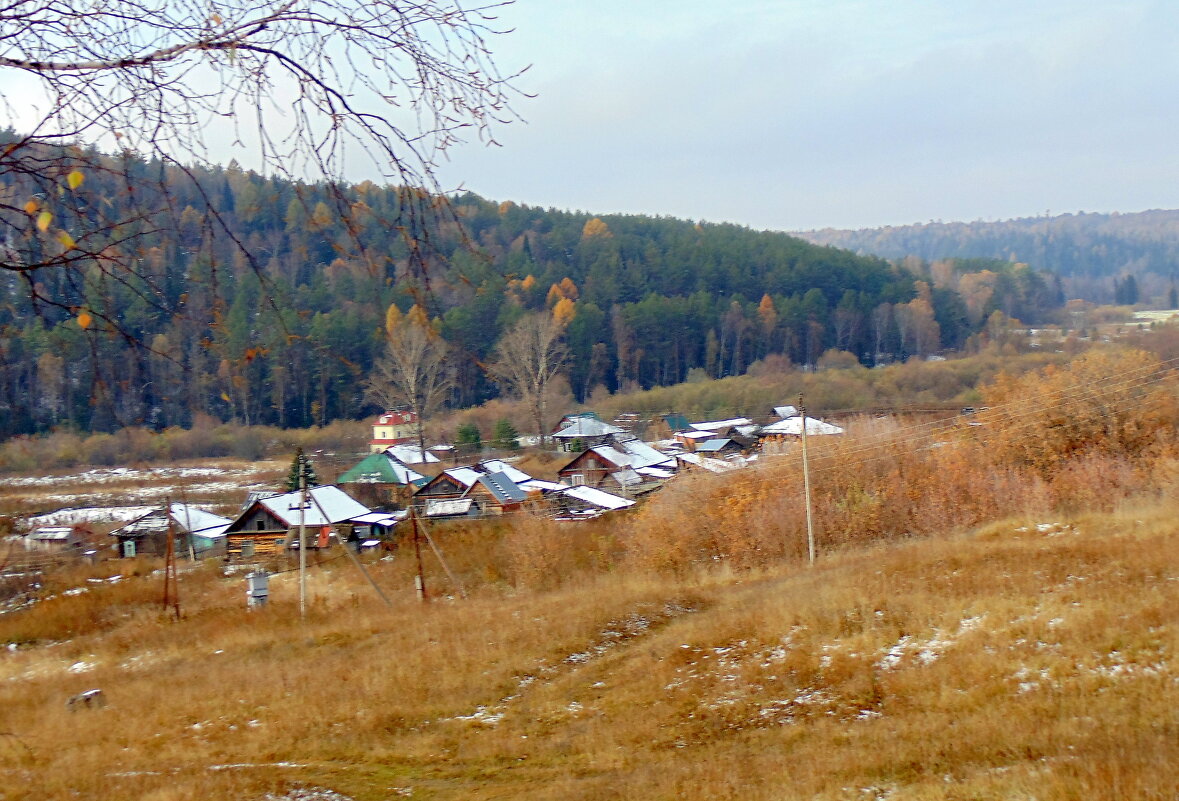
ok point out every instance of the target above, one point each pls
(420, 579)
(302, 542)
(806, 483)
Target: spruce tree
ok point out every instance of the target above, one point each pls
(301, 466)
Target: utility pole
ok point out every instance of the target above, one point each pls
(302, 543)
(171, 580)
(806, 484)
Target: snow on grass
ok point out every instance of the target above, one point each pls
(91, 514)
(108, 475)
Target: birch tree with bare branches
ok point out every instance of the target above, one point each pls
(413, 373)
(529, 356)
(141, 89)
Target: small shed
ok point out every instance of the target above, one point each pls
(195, 532)
(781, 436)
(58, 538)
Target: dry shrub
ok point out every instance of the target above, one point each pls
(543, 554)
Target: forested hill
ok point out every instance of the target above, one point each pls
(287, 334)
(1087, 250)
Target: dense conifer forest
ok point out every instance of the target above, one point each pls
(1092, 253)
(275, 314)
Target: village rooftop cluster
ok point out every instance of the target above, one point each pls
(610, 469)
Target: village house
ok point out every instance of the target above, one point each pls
(741, 430)
(393, 428)
(380, 480)
(196, 533)
(632, 467)
(269, 526)
(583, 431)
(781, 436)
(586, 503)
(473, 491)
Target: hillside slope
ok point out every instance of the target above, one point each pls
(1030, 659)
(1071, 245)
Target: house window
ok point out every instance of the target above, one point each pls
(247, 550)
(578, 479)
(128, 548)
(261, 525)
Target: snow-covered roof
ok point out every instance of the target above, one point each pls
(500, 466)
(701, 435)
(793, 426)
(325, 505)
(785, 411)
(380, 518)
(632, 453)
(448, 507)
(708, 463)
(586, 427)
(539, 484)
(187, 518)
(598, 497)
(411, 454)
(655, 472)
(50, 533)
(467, 476)
(721, 425)
(380, 468)
(198, 521)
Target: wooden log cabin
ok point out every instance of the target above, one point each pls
(269, 526)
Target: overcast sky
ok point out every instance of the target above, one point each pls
(797, 114)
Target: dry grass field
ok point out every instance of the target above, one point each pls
(992, 616)
(1029, 658)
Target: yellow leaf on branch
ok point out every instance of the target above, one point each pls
(75, 179)
(43, 220)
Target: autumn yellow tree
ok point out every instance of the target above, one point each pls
(413, 373)
(1112, 402)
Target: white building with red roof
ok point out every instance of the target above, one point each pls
(393, 428)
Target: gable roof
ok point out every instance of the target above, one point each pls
(325, 505)
(411, 454)
(379, 468)
(793, 426)
(715, 445)
(186, 518)
(587, 427)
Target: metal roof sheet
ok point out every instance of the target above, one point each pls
(503, 488)
(598, 497)
(450, 506)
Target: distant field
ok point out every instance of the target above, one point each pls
(111, 495)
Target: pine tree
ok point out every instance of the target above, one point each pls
(504, 436)
(301, 466)
(468, 439)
